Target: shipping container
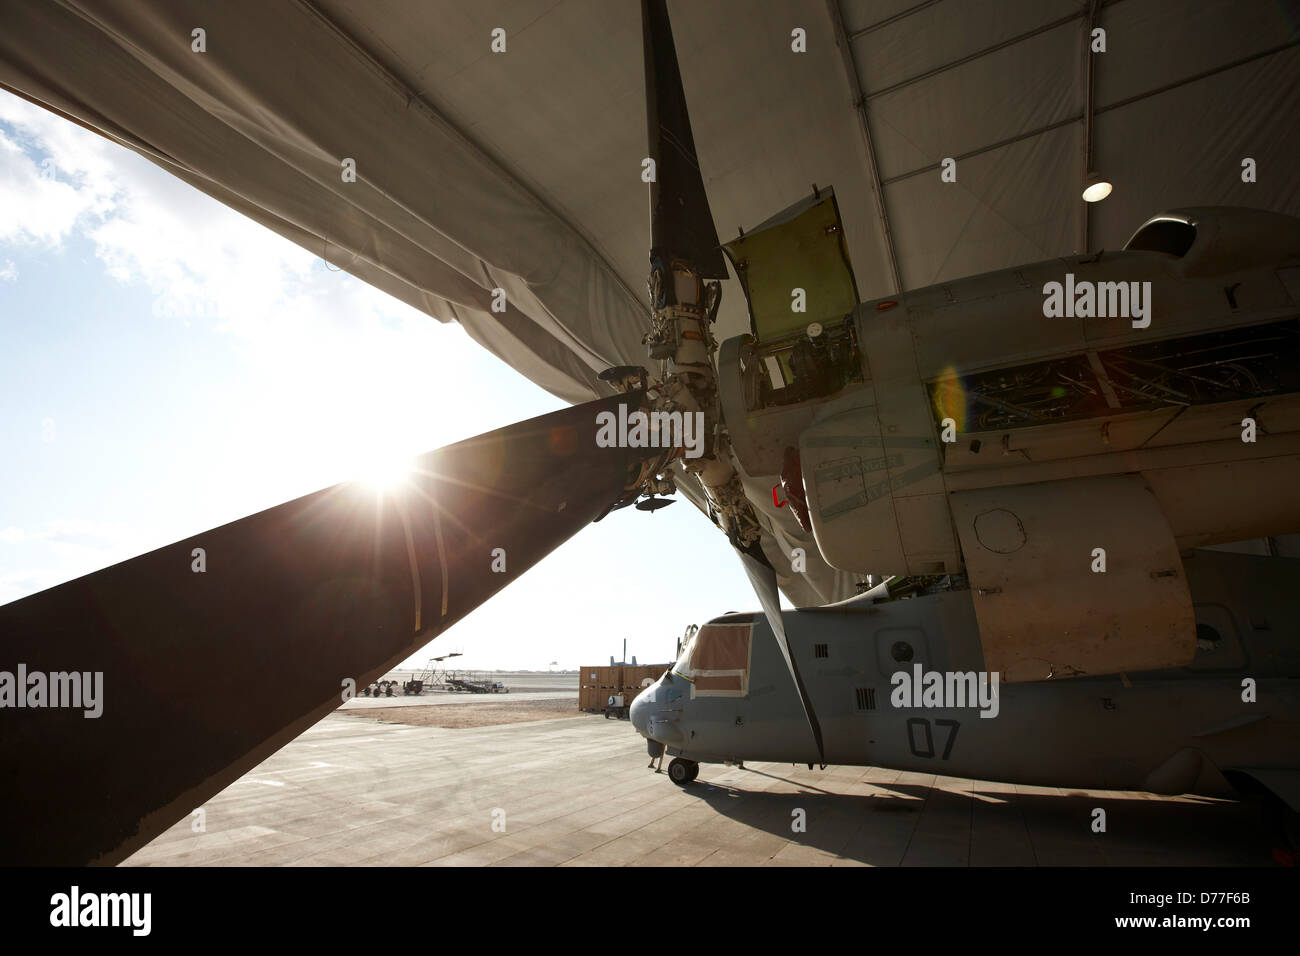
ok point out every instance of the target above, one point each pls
(596, 685)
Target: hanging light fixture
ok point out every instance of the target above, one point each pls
(1095, 188)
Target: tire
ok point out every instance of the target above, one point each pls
(683, 772)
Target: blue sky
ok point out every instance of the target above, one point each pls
(167, 366)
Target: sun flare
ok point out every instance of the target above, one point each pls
(384, 472)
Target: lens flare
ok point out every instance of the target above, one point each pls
(950, 398)
(385, 471)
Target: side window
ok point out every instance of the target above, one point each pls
(1217, 645)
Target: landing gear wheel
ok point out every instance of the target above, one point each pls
(683, 772)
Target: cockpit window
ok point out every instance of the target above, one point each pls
(716, 661)
(684, 655)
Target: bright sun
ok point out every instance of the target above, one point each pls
(384, 471)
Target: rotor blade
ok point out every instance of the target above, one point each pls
(763, 577)
(681, 225)
(214, 652)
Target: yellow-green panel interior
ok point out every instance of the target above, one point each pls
(806, 252)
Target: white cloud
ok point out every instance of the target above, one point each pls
(53, 175)
(61, 551)
(201, 259)
(84, 534)
(8, 272)
(16, 584)
(324, 347)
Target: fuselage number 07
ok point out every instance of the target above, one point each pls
(920, 737)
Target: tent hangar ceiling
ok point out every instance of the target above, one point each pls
(521, 170)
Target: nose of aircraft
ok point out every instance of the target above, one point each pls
(641, 707)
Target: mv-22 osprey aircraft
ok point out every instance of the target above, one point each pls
(1029, 460)
(896, 679)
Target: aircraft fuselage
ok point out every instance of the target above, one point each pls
(1236, 708)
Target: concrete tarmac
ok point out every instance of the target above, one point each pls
(437, 697)
(577, 792)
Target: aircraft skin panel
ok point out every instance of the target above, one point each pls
(952, 321)
(1136, 732)
(925, 523)
(1201, 487)
(1274, 415)
(1074, 577)
(847, 481)
(984, 449)
(1229, 501)
(906, 422)
(952, 324)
